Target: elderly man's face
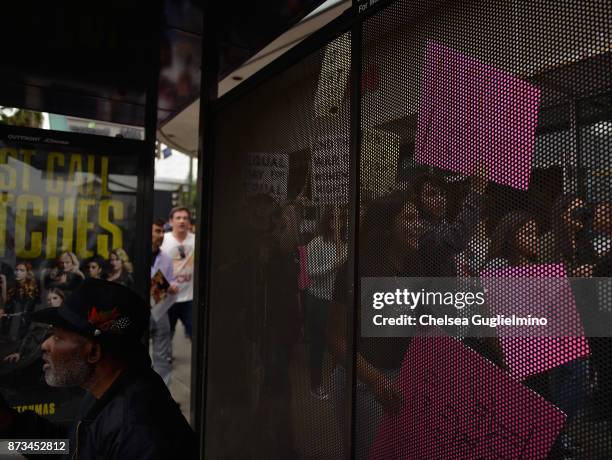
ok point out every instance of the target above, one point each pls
(65, 356)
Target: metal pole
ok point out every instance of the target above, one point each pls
(202, 275)
(190, 189)
(147, 160)
(352, 318)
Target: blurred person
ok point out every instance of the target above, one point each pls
(179, 244)
(471, 261)
(3, 288)
(95, 267)
(389, 246)
(602, 228)
(515, 242)
(55, 297)
(279, 331)
(161, 336)
(567, 242)
(127, 412)
(21, 301)
(443, 238)
(30, 345)
(66, 275)
(325, 254)
(601, 347)
(120, 268)
(256, 330)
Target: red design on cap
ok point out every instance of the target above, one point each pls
(102, 319)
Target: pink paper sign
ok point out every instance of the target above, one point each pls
(459, 405)
(473, 115)
(539, 291)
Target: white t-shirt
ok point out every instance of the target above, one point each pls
(181, 254)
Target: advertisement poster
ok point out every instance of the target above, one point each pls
(68, 211)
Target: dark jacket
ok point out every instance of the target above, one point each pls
(73, 280)
(135, 419)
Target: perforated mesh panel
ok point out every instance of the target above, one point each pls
(499, 114)
(270, 391)
(486, 131)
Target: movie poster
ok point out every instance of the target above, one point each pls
(68, 211)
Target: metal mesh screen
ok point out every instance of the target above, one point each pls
(279, 239)
(485, 149)
(486, 131)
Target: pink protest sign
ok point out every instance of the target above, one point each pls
(459, 405)
(539, 291)
(473, 115)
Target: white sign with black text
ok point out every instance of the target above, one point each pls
(267, 174)
(330, 171)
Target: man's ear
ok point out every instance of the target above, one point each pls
(95, 352)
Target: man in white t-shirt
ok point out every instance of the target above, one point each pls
(179, 244)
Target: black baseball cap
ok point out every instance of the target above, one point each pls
(100, 309)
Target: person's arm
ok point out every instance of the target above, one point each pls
(382, 388)
(457, 235)
(168, 269)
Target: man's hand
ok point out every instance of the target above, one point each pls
(12, 358)
(173, 289)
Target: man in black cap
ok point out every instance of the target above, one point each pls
(127, 412)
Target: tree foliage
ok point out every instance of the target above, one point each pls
(20, 117)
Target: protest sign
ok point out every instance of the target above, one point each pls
(463, 406)
(536, 290)
(379, 162)
(473, 115)
(330, 171)
(334, 76)
(267, 174)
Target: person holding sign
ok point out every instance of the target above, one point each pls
(445, 239)
(568, 242)
(515, 243)
(160, 328)
(389, 246)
